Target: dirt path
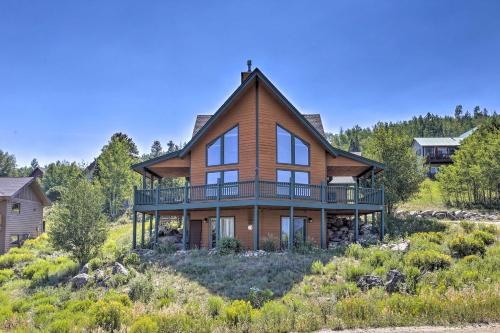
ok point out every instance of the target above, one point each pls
(487, 328)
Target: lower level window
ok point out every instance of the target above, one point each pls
(299, 228)
(226, 227)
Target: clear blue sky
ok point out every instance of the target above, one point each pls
(74, 72)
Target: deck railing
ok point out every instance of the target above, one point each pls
(339, 194)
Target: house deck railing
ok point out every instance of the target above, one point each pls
(265, 190)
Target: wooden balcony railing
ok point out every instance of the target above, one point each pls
(338, 194)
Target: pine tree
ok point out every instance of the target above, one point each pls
(156, 149)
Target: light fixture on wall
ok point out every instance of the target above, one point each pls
(205, 220)
(250, 227)
(310, 220)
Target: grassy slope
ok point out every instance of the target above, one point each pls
(429, 197)
(199, 292)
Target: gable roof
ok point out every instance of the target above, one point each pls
(10, 186)
(258, 76)
(314, 119)
(444, 141)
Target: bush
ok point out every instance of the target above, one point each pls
(353, 273)
(215, 305)
(259, 297)
(355, 251)
(15, 256)
(462, 246)
(317, 267)
(347, 289)
(141, 289)
(145, 324)
(165, 297)
(468, 226)
(485, 237)
(60, 326)
(238, 313)
(270, 244)
(49, 270)
(428, 260)
(5, 275)
(489, 228)
(95, 263)
(228, 245)
(132, 259)
(166, 247)
(378, 257)
(274, 317)
(109, 315)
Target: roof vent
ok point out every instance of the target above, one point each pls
(246, 74)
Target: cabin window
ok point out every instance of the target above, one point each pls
(224, 149)
(299, 228)
(228, 179)
(297, 177)
(16, 208)
(290, 149)
(226, 227)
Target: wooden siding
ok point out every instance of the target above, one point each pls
(28, 221)
(242, 113)
(272, 112)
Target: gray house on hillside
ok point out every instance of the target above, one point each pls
(438, 151)
(21, 210)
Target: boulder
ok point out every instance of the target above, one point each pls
(426, 213)
(366, 282)
(80, 280)
(99, 275)
(85, 269)
(440, 215)
(119, 269)
(394, 280)
(338, 223)
(403, 246)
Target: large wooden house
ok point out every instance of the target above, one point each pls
(256, 169)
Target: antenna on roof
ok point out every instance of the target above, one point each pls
(249, 64)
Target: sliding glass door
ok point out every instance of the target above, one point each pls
(299, 227)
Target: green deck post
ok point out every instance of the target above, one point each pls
(256, 228)
(382, 215)
(143, 228)
(291, 236)
(185, 232)
(217, 225)
(356, 212)
(151, 183)
(322, 229)
(134, 230)
(157, 225)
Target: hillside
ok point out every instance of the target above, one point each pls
(450, 276)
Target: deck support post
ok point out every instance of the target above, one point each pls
(185, 230)
(322, 230)
(151, 183)
(382, 215)
(143, 228)
(356, 212)
(291, 225)
(134, 229)
(157, 225)
(256, 228)
(217, 225)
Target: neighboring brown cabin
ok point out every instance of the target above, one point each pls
(254, 166)
(21, 210)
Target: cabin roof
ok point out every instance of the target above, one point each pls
(10, 186)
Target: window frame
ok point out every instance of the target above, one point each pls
(292, 147)
(287, 188)
(12, 209)
(234, 187)
(212, 228)
(305, 219)
(221, 137)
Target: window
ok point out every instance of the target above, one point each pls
(229, 180)
(224, 149)
(18, 239)
(16, 208)
(299, 228)
(226, 227)
(290, 149)
(297, 177)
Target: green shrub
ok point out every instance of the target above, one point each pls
(237, 313)
(117, 280)
(165, 297)
(228, 245)
(485, 237)
(472, 258)
(215, 304)
(468, 226)
(5, 275)
(378, 257)
(428, 260)
(132, 259)
(434, 237)
(330, 268)
(317, 267)
(489, 228)
(15, 256)
(60, 326)
(412, 276)
(141, 289)
(166, 247)
(304, 247)
(397, 227)
(259, 297)
(274, 316)
(95, 263)
(109, 315)
(49, 270)
(270, 244)
(353, 273)
(347, 289)
(462, 246)
(145, 324)
(355, 251)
